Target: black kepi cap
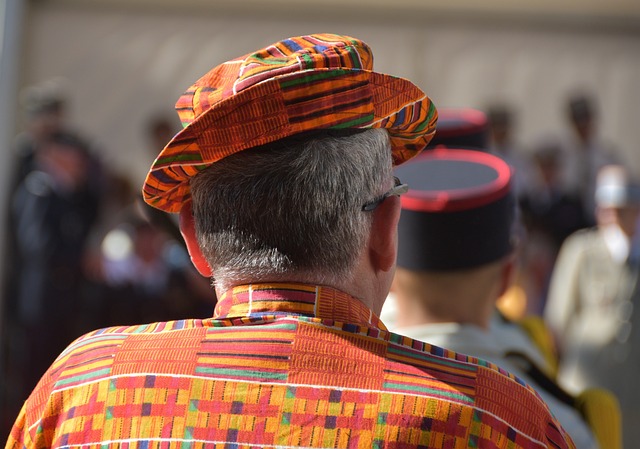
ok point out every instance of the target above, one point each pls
(461, 128)
(458, 212)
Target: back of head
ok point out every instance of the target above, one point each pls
(455, 233)
(45, 107)
(582, 114)
(546, 157)
(500, 116)
(293, 207)
(66, 156)
(284, 147)
(580, 108)
(457, 220)
(459, 212)
(451, 296)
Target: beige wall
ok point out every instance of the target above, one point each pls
(123, 66)
(617, 11)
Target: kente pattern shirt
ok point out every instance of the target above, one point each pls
(279, 365)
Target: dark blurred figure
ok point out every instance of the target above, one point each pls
(457, 238)
(147, 275)
(585, 152)
(52, 212)
(546, 206)
(44, 107)
(461, 128)
(200, 298)
(502, 143)
(140, 269)
(550, 213)
(593, 299)
(160, 130)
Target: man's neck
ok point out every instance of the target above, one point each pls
(365, 289)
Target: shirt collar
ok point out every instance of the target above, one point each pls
(288, 299)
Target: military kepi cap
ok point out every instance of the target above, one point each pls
(314, 82)
(461, 128)
(458, 212)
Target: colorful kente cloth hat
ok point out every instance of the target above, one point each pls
(461, 128)
(320, 81)
(458, 212)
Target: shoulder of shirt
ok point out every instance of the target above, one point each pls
(413, 351)
(85, 356)
(135, 329)
(89, 359)
(90, 356)
(107, 340)
(419, 353)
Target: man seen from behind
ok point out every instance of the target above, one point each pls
(283, 180)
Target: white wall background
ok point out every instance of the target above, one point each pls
(121, 67)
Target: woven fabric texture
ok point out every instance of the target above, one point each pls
(321, 81)
(278, 366)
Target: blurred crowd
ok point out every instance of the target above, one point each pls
(84, 252)
(579, 256)
(555, 177)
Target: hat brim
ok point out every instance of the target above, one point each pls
(286, 105)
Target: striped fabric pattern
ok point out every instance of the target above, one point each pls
(279, 365)
(321, 81)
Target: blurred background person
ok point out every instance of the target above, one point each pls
(584, 151)
(44, 109)
(456, 257)
(550, 213)
(45, 114)
(472, 128)
(140, 269)
(53, 210)
(146, 276)
(592, 306)
(502, 142)
(84, 254)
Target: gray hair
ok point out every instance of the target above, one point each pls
(292, 208)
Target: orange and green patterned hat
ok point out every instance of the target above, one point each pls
(320, 81)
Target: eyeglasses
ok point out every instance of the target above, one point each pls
(397, 190)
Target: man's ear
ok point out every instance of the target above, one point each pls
(383, 240)
(188, 231)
